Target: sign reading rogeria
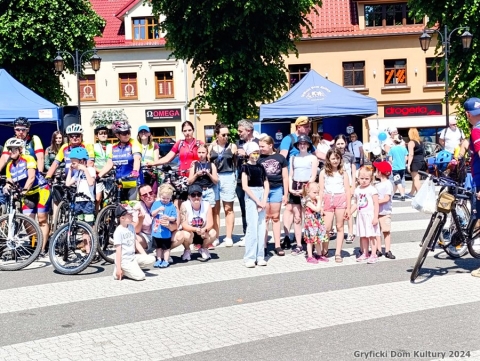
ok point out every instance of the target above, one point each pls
(412, 110)
(164, 114)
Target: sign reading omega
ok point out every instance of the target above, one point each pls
(163, 114)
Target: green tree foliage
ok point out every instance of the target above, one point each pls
(464, 69)
(31, 31)
(235, 48)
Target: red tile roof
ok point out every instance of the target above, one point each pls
(339, 18)
(112, 12)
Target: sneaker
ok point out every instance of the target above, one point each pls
(164, 264)
(205, 255)
(389, 255)
(228, 242)
(312, 260)
(211, 247)
(402, 198)
(170, 260)
(186, 256)
(362, 258)
(216, 243)
(250, 264)
(261, 262)
(158, 263)
(286, 244)
(241, 243)
(197, 247)
(476, 273)
(322, 259)
(372, 259)
(379, 253)
(409, 196)
(43, 254)
(296, 251)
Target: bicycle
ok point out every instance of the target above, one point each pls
(68, 249)
(446, 204)
(59, 217)
(21, 238)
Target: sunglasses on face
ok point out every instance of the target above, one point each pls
(149, 194)
(14, 149)
(124, 133)
(74, 135)
(20, 129)
(196, 195)
(224, 135)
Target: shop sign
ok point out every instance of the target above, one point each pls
(163, 114)
(412, 110)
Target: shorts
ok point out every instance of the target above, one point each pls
(38, 202)
(162, 243)
(416, 166)
(385, 222)
(398, 176)
(99, 187)
(128, 194)
(148, 239)
(208, 194)
(296, 199)
(225, 188)
(57, 194)
(331, 202)
(275, 195)
(85, 210)
(197, 239)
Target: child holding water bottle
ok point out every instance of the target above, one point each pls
(164, 213)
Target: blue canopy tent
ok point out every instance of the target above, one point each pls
(317, 97)
(16, 100)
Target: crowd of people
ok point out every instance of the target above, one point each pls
(321, 185)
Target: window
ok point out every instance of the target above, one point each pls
(354, 74)
(297, 72)
(209, 132)
(389, 15)
(434, 75)
(395, 72)
(87, 88)
(164, 84)
(145, 28)
(128, 86)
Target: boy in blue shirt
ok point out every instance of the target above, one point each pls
(164, 212)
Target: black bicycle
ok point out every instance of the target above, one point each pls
(21, 238)
(447, 204)
(74, 243)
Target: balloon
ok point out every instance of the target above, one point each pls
(366, 147)
(376, 151)
(373, 132)
(382, 136)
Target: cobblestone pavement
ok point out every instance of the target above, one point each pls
(219, 310)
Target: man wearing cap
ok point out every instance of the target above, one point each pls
(303, 127)
(472, 110)
(451, 137)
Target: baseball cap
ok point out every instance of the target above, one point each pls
(301, 121)
(194, 188)
(123, 209)
(392, 129)
(472, 105)
(144, 127)
(383, 167)
(251, 147)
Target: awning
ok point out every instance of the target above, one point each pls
(409, 122)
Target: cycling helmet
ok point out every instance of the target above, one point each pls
(22, 122)
(442, 159)
(74, 129)
(120, 126)
(78, 153)
(14, 142)
(99, 128)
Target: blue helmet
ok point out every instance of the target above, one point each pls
(79, 153)
(442, 159)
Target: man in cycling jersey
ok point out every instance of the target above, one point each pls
(22, 169)
(33, 144)
(100, 149)
(472, 110)
(126, 155)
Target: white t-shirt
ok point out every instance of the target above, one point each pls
(125, 236)
(302, 167)
(82, 184)
(364, 199)
(384, 188)
(354, 147)
(452, 138)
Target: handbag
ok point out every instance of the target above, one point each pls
(425, 200)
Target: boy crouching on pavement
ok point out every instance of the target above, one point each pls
(126, 242)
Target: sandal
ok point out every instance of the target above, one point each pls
(338, 258)
(350, 238)
(279, 251)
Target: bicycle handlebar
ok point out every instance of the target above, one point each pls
(459, 192)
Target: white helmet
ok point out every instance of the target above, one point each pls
(14, 142)
(74, 129)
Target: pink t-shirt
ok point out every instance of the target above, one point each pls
(187, 152)
(147, 221)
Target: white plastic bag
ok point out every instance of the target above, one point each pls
(425, 200)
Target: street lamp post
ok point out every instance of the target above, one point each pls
(466, 37)
(59, 64)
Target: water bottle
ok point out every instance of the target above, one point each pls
(462, 217)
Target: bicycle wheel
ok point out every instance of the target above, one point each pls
(68, 251)
(61, 215)
(105, 225)
(450, 238)
(20, 242)
(474, 245)
(429, 240)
